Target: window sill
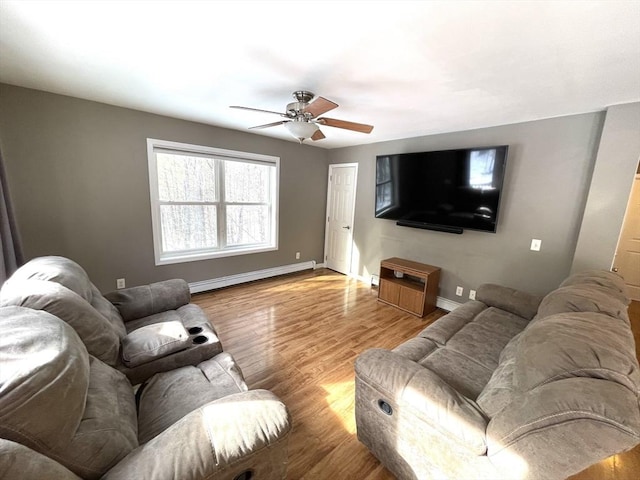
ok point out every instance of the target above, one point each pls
(169, 259)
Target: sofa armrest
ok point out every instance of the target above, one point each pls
(428, 396)
(145, 300)
(222, 439)
(514, 301)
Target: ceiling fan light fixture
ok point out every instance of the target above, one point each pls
(301, 129)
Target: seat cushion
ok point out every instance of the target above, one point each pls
(446, 327)
(461, 372)
(167, 397)
(484, 339)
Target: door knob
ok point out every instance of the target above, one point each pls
(347, 227)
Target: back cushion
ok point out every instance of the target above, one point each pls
(57, 269)
(576, 345)
(44, 378)
(95, 331)
(602, 278)
(108, 311)
(583, 298)
(58, 400)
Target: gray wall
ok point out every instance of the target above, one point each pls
(616, 162)
(548, 173)
(79, 181)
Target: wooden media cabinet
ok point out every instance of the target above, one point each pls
(408, 285)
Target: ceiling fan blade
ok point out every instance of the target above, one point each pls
(357, 127)
(274, 124)
(258, 110)
(318, 135)
(319, 106)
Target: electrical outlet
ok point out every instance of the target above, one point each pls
(472, 294)
(120, 283)
(536, 245)
(297, 255)
(459, 291)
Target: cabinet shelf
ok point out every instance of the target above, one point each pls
(414, 291)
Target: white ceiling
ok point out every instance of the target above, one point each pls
(409, 68)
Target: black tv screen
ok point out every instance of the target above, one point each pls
(454, 189)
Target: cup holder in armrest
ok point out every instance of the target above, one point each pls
(200, 339)
(195, 330)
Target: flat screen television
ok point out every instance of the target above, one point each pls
(448, 190)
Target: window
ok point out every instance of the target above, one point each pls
(207, 202)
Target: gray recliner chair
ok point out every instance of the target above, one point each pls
(140, 330)
(67, 415)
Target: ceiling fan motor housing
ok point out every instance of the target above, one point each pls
(295, 109)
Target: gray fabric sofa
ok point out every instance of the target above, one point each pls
(140, 330)
(508, 386)
(65, 414)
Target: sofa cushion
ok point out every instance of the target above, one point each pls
(416, 349)
(460, 371)
(108, 311)
(108, 430)
(446, 327)
(576, 345)
(62, 270)
(44, 379)
(603, 278)
(57, 399)
(154, 341)
(485, 337)
(95, 331)
(169, 396)
(21, 463)
(583, 298)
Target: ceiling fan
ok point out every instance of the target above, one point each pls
(302, 119)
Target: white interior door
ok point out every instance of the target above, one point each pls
(627, 259)
(341, 195)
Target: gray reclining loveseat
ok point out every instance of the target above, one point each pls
(134, 387)
(509, 386)
(66, 415)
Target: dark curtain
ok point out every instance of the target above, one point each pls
(11, 257)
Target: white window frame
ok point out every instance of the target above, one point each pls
(164, 258)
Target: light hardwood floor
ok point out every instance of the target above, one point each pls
(298, 335)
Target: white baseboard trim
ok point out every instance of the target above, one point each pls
(215, 283)
(318, 265)
(446, 304)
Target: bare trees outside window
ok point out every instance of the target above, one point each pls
(209, 202)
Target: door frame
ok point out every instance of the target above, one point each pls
(353, 211)
(625, 220)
